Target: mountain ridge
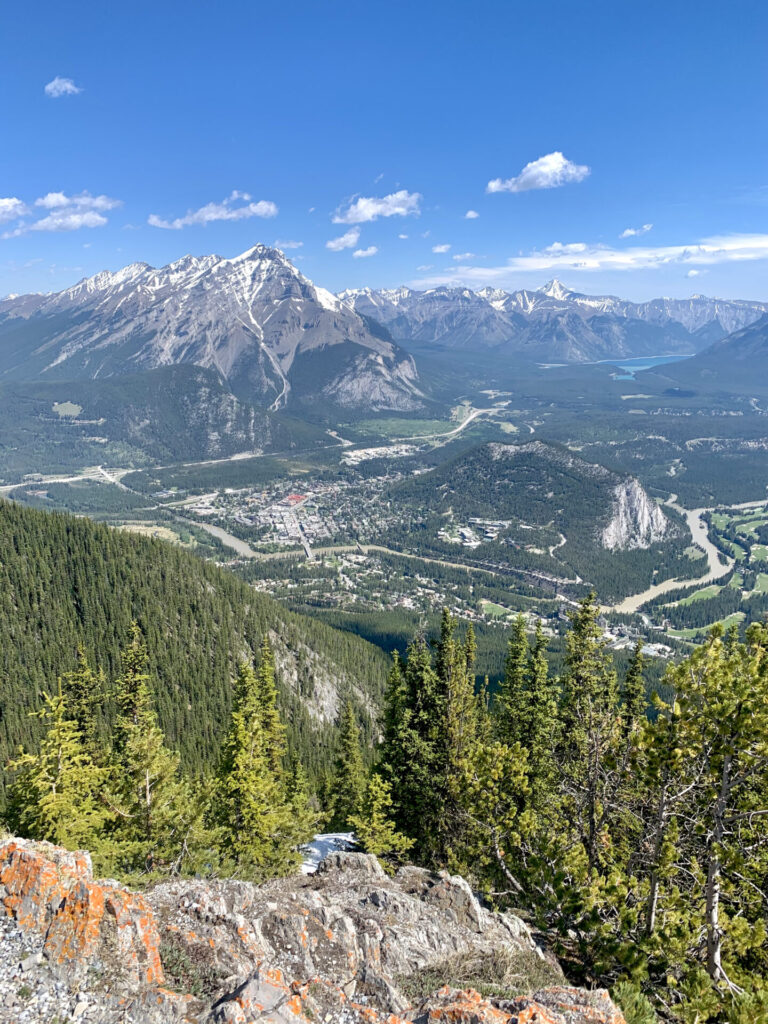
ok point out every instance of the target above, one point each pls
(552, 321)
(252, 318)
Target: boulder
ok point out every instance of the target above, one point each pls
(341, 946)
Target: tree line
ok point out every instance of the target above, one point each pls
(633, 832)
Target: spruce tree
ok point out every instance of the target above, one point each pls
(591, 724)
(254, 815)
(374, 827)
(157, 819)
(349, 775)
(540, 730)
(272, 726)
(86, 692)
(634, 699)
(512, 699)
(57, 794)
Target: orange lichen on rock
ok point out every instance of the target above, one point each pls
(465, 1007)
(51, 891)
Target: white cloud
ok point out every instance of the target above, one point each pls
(364, 208)
(360, 254)
(212, 212)
(287, 244)
(11, 208)
(693, 273)
(441, 248)
(83, 201)
(471, 215)
(402, 236)
(582, 257)
(65, 213)
(346, 241)
(463, 256)
(69, 220)
(550, 171)
(425, 266)
(61, 87)
(631, 232)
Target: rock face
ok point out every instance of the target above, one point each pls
(264, 327)
(343, 946)
(637, 521)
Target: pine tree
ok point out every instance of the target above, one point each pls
(254, 813)
(373, 826)
(85, 692)
(57, 793)
(591, 721)
(512, 699)
(634, 699)
(157, 821)
(350, 774)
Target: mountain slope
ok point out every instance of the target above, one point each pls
(738, 362)
(552, 322)
(65, 581)
(253, 319)
(170, 414)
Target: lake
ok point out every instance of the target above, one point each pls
(633, 366)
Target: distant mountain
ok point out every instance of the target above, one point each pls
(273, 336)
(738, 362)
(552, 323)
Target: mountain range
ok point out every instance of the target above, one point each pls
(272, 339)
(553, 322)
(271, 334)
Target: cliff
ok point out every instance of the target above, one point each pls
(348, 945)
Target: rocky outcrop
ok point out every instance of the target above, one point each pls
(349, 945)
(637, 521)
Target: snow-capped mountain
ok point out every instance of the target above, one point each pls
(270, 332)
(553, 322)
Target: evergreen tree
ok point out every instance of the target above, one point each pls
(272, 726)
(85, 692)
(157, 820)
(512, 698)
(591, 721)
(254, 814)
(57, 793)
(540, 729)
(307, 819)
(634, 700)
(373, 826)
(350, 775)
(414, 749)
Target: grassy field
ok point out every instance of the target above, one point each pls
(690, 634)
(701, 595)
(395, 426)
(160, 532)
(761, 583)
(496, 611)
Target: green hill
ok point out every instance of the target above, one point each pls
(65, 581)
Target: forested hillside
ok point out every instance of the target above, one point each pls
(66, 582)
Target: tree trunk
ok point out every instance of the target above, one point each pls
(714, 932)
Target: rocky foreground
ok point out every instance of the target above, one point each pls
(348, 945)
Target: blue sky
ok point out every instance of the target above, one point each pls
(149, 130)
